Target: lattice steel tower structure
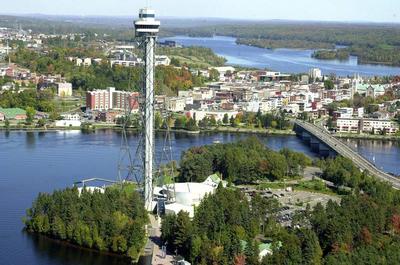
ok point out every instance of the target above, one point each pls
(146, 31)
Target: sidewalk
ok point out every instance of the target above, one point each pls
(155, 237)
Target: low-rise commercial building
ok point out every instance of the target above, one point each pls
(12, 114)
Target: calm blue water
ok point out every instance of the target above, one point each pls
(283, 60)
(41, 162)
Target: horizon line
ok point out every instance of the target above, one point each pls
(37, 15)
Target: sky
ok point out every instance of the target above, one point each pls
(321, 10)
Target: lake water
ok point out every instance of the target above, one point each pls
(41, 162)
(283, 60)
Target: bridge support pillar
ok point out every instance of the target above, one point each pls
(306, 137)
(326, 151)
(315, 144)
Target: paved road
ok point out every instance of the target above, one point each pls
(344, 150)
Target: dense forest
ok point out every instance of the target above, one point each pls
(364, 228)
(113, 221)
(220, 228)
(372, 43)
(242, 162)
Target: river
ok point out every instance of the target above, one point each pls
(41, 162)
(283, 60)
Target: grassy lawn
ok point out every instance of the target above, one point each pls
(165, 180)
(192, 60)
(126, 187)
(66, 105)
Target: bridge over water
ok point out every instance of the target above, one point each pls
(324, 143)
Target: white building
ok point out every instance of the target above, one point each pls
(253, 106)
(223, 70)
(69, 120)
(68, 123)
(348, 125)
(345, 112)
(377, 126)
(291, 108)
(64, 89)
(71, 117)
(175, 104)
(84, 62)
(217, 114)
(126, 63)
(357, 125)
(315, 73)
(162, 60)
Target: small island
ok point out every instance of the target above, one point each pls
(108, 220)
(339, 54)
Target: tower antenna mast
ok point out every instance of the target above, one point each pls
(146, 31)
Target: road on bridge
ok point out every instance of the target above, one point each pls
(345, 151)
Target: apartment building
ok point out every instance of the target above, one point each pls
(110, 98)
(374, 126)
(377, 126)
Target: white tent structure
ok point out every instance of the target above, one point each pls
(186, 196)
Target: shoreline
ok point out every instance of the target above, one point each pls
(368, 137)
(221, 129)
(118, 128)
(68, 244)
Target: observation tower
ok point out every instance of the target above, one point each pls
(146, 31)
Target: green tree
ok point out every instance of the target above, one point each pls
(41, 123)
(6, 124)
(191, 125)
(225, 120)
(158, 120)
(183, 233)
(30, 115)
(328, 84)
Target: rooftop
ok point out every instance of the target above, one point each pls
(11, 113)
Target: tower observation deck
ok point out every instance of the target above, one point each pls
(146, 31)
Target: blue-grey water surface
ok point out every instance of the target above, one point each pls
(41, 162)
(283, 60)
